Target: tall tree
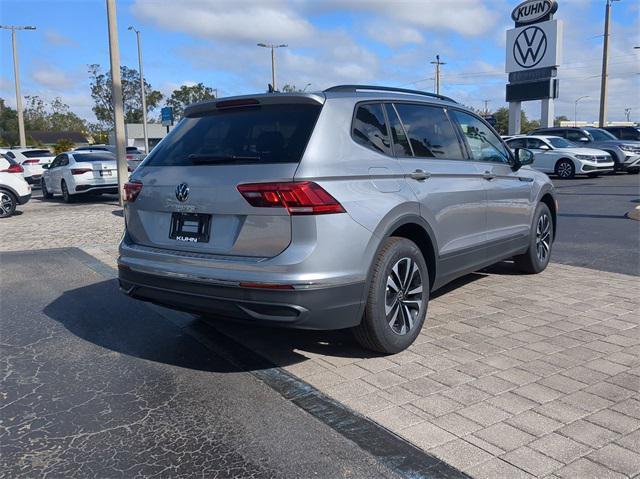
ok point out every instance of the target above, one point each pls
(8, 124)
(54, 115)
(186, 95)
(502, 121)
(101, 94)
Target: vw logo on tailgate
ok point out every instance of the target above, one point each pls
(530, 47)
(182, 192)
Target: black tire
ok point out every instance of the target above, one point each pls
(45, 192)
(8, 203)
(633, 171)
(537, 257)
(565, 169)
(406, 307)
(66, 196)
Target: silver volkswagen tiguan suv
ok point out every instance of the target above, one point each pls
(338, 209)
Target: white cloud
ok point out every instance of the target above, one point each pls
(53, 37)
(228, 20)
(52, 77)
(392, 34)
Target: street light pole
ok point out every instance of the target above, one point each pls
(605, 65)
(16, 73)
(142, 93)
(575, 110)
(273, 61)
(116, 96)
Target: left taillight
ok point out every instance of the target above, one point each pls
(298, 197)
(131, 190)
(31, 162)
(80, 171)
(14, 168)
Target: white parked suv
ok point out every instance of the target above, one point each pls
(32, 160)
(77, 172)
(14, 190)
(555, 155)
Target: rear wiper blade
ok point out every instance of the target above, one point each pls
(204, 159)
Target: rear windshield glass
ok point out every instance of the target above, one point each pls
(83, 157)
(37, 153)
(257, 134)
(132, 148)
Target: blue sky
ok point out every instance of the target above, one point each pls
(330, 42)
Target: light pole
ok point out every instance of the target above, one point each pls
(437, 63)
(627, 113)
(575, 110)
(116, 98)
(273, 61)
(142, 93)
(305, 87)
(16, 73)
(605, 65)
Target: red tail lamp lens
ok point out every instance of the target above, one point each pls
(15, 168)
(299, 198)
(80, 171)
(131, 190)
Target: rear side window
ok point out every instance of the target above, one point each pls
(370, 128)
(400, 141)
(37, 153)
(430, 132)
(575, 135)
(256, 134)
(517, 143)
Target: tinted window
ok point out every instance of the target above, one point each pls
(629, 134)
(484, 144)
(255, 134)
(601, 135)
(84, 157)
(517, 143)
(430, 132)
(560, 143)
(400, 142)
(132, 149)
(37, 153)
(575, 135)
(10, 154)
(535, 143)
(370, 129)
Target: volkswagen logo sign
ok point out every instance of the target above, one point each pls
(182, 192)
(530, 47)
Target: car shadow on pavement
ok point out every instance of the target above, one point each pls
(100, 314)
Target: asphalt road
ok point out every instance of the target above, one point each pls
(98, 385)
(593, 230)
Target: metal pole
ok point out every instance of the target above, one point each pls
(437, 63)
(144, 97)
(16, 72)
(605, 66)
(116, 94)
(273, 68)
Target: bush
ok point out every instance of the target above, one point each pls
(63, 145)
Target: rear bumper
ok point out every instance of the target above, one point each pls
(24, 199)
(88, 188)
(325, 308)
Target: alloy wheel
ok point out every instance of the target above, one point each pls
(543, 237)
(565, 169)
(403, 296)
(6, 204)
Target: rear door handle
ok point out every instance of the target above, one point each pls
(487, 175)
(420, 175)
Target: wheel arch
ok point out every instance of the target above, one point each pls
(548, 200)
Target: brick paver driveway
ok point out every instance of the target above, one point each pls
(512, 376)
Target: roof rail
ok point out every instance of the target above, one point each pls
(353, 88)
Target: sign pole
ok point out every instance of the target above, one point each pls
(547, 113)
(515, 109)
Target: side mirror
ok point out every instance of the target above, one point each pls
(523, 157)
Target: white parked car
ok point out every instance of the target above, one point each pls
(32, 160)
(555, 155)
(134, 154)
(14, 190)
(77, 172)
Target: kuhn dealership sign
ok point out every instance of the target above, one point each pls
(531, 11)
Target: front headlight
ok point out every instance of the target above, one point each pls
(629, 148)
(586, 157)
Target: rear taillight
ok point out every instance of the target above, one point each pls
(129, 157)
(15, 168)
(80, 171)
(31, 162)
(299, 198)
(131, 190)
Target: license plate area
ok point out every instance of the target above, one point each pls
(190, 227)
(105, 173)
